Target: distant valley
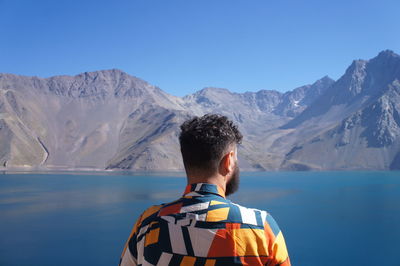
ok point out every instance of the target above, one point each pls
(110, 120)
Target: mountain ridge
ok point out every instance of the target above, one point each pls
(108, 119)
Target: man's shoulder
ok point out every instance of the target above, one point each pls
(248, 208)
(153, 211)
(150, 214)
(253, 218)
(247, 215)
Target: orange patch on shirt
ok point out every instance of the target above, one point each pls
(187, 189)
(232, 225)
(210, 262)
(251, 261)
(217, 215)
(279, 248)
(221, 191)
(152, 237)
(286, 262)
(216, 202)
(223, 245)
(175, 208)
(151, 210)
(270, 237)
(238, 242)
(187, 261)
(250, 242)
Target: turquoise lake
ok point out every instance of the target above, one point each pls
(328, 218)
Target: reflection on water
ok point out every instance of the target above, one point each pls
(81, 219)
(33, 201)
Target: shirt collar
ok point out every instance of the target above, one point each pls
(204, 188)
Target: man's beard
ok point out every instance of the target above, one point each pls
(233, 184)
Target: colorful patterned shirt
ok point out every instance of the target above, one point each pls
(205, 228)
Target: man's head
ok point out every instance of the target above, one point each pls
(209, 148)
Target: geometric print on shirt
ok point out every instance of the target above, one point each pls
(205, 228)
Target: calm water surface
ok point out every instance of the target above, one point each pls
(328, 218)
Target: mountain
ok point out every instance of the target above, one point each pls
(363, 82)
(69, 122)
(111, 120)
(296, 101)
(359, 117)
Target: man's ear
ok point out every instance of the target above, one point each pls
(227, 162)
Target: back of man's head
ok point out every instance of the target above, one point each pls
(204, 141)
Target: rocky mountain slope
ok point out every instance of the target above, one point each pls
(111, 120)
(356, 125)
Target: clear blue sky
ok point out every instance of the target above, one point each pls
(183, 46)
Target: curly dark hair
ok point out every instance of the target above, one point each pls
(204, 140)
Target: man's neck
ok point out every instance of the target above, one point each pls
(218, 180)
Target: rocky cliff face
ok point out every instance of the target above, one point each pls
(365, 133)
(70, 122)
(111, 120)
(363, 82)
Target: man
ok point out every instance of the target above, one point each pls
(203, 227)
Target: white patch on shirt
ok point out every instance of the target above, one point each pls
(201, 240)
(195, 207)
(201, 217)
(193, 194)
(183, 222)
(198, 186)
(128, 259)
(169, 219)
(176, 238)
(164, 259)
(248, 215)
(140, 251)
(143, 230)
(263, 216)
